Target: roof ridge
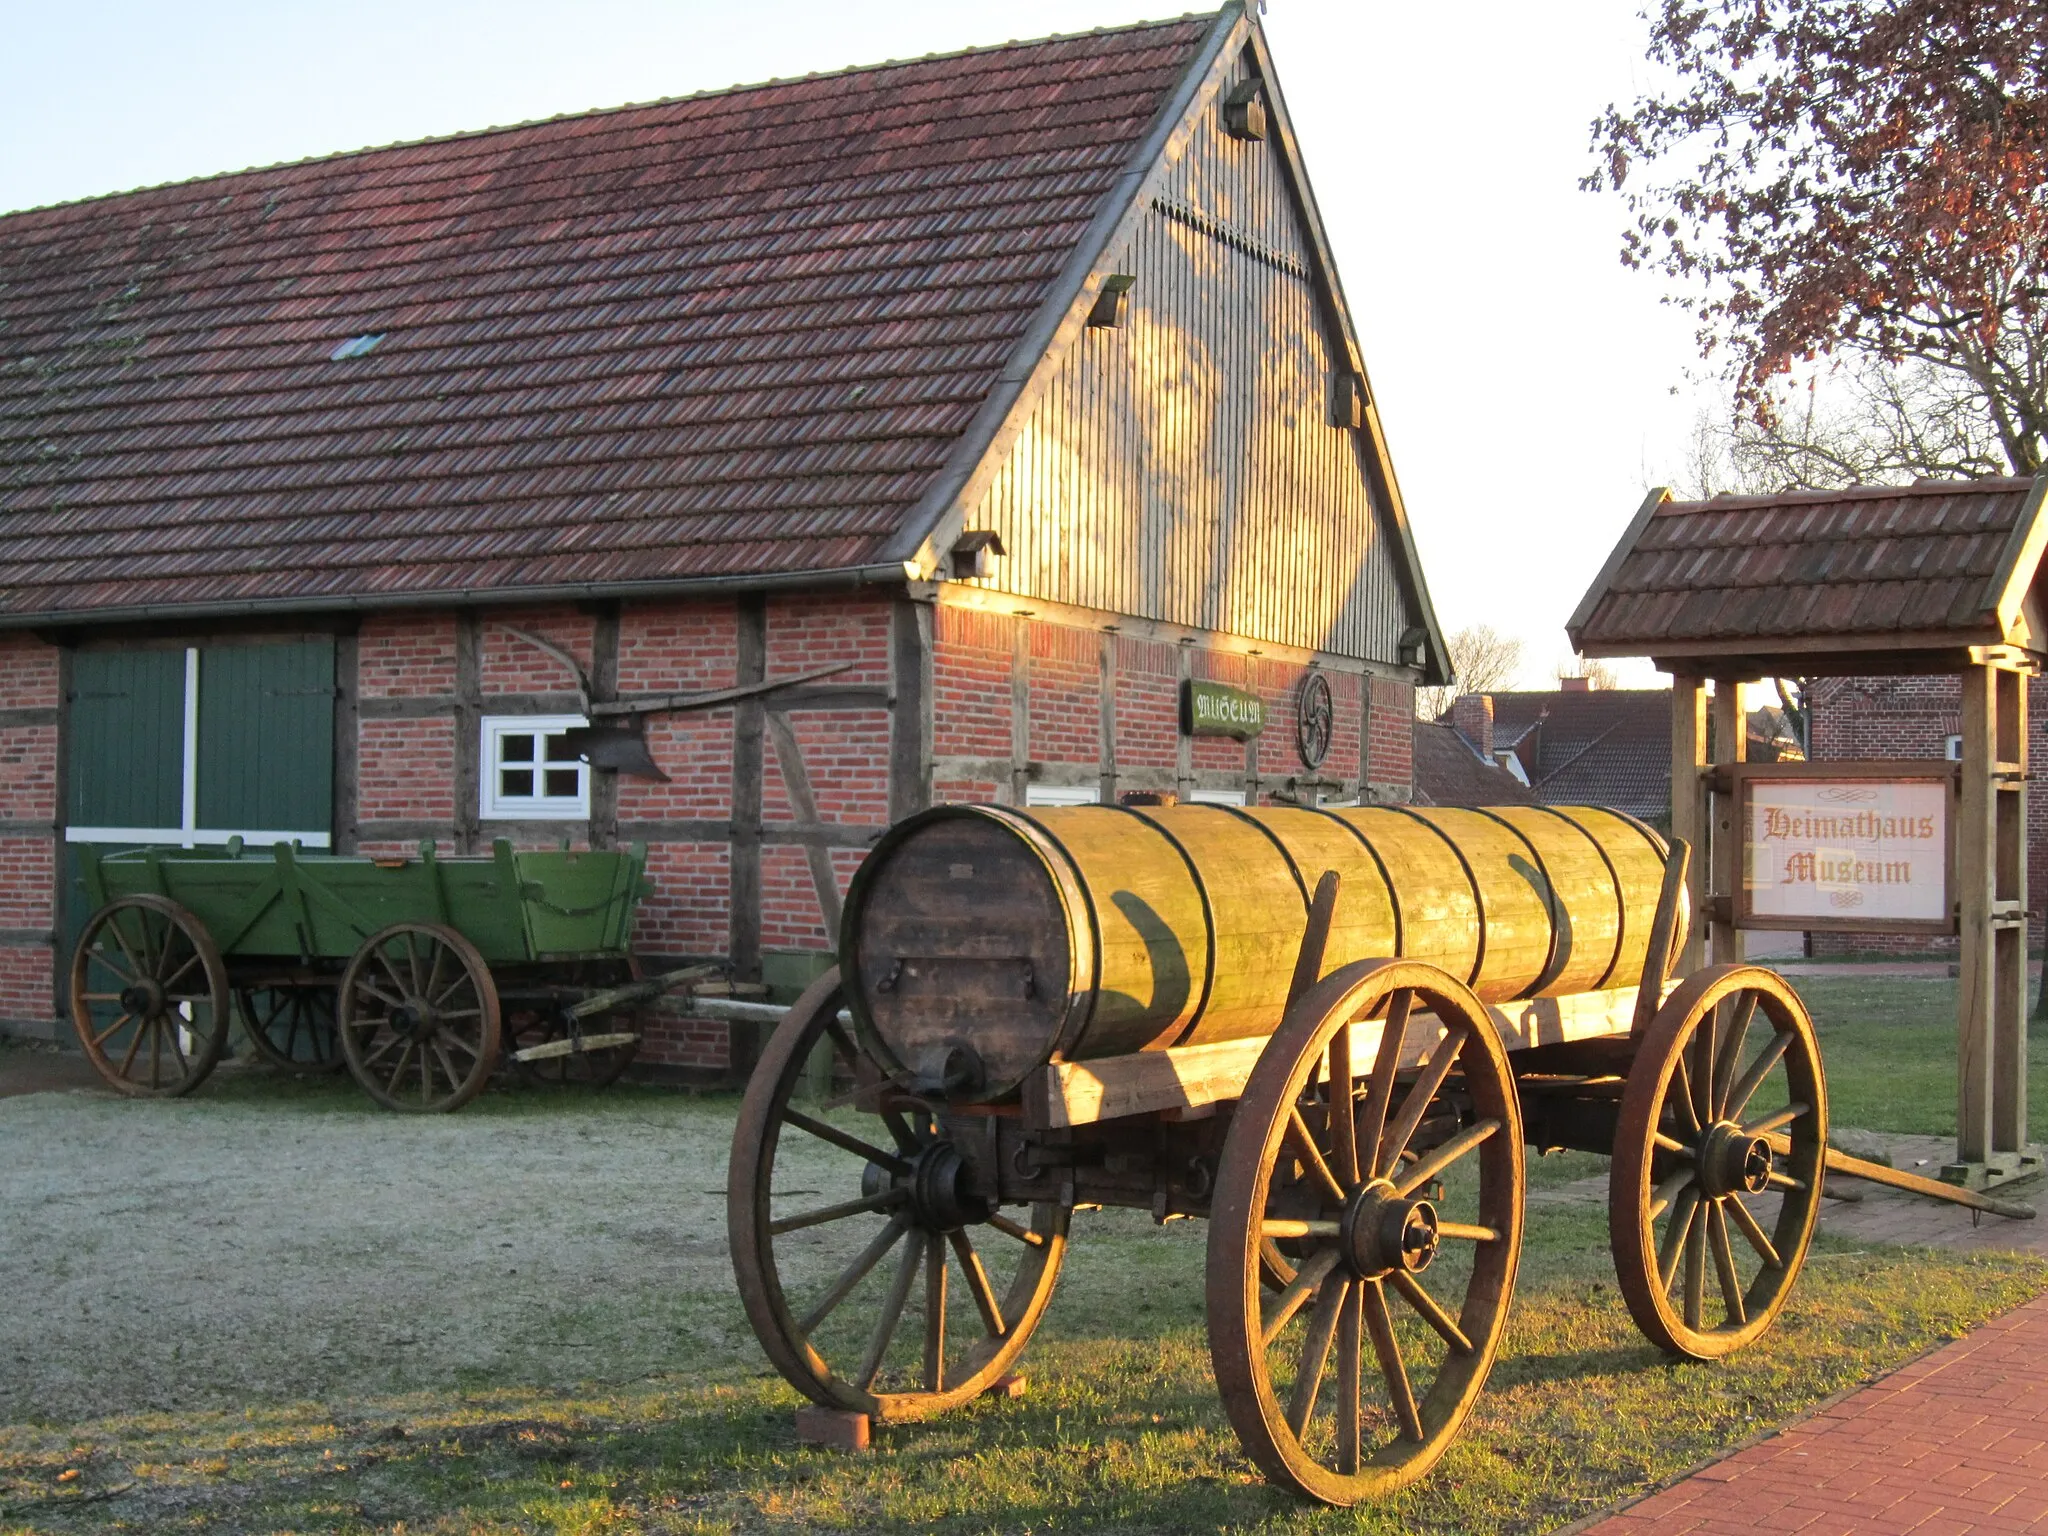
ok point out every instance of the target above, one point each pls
(741, 88)
(1985, 485)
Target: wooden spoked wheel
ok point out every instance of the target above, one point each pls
(876, 1278)
(1718, 1160)
(292, 1025)
(149, 997)
(1396, 1167)
(538, 1021)
(419, 1018)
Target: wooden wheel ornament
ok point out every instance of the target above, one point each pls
(1717, 1161)
(1402, 1187)
(850, 1230)
(149, 997)
(419, 1018)
(292, 1024)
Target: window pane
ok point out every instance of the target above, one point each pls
(562, 783)
(516, 781)
(559, 751)
(515, 748)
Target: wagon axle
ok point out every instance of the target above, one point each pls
(935, 1190)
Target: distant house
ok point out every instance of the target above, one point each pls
(1575, 745)
(1450, 771)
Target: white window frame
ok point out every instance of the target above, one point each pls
(1952, 749)
(493, 806)
(1234, 797)
(1062, 794)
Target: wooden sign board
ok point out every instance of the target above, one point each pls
(1856, 847)
(1218, 709)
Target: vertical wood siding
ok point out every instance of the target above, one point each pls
(1184, 467)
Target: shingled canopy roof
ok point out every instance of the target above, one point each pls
(1822, 581)
(719, 336)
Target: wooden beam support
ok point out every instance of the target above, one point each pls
(1689, 802)
(1020, 709)
(1730, 739)
(604, 687)
(1074, 1093)
(796, 779)
(468, 716)
(2009, 895)
(347, 743)
(910, 708)
(743, 918)
(1106, 727)
(1976, 874)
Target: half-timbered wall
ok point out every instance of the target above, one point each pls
(1184, 466)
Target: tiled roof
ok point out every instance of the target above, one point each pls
(1607, 747)
(1882, 566)
(1448, 772)
(730, 334)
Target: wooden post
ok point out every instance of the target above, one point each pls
(347, 741)
(469, 711)
(1020, 710)
(2009, 921)
(1731, 745)
(1106, 729)
(910, 707)
(1689, 803)
(1976, 869)
(743, 913)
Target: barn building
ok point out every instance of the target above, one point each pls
(1005, 406)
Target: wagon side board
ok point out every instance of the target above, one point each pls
(1065, 1094)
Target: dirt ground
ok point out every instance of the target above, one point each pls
(268, 1241)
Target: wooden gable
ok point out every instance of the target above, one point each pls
(1213, 459)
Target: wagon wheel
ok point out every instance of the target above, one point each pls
(1408, 1210)
(149, 997)
(292, 1024)
(814, 1217)
(542, 1022)
(419, 1018)
(1717, 1162)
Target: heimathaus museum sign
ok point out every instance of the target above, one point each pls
(1860, 846)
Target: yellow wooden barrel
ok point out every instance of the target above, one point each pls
(981, 941)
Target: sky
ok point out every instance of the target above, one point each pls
(1531, 387)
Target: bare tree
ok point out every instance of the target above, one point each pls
(1483, 660)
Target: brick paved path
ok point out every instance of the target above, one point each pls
(1957, 1441)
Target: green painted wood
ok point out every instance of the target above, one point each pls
(266, 736)
(127, 739)
(513, 906)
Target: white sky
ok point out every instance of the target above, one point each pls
(1531, 386)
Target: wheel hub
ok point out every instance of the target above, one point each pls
(415, 1018)
(1382, 1231)
(1734, 1162)
(940, 1186)
(144, 999)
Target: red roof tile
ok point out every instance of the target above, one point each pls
(730, 334)
(1862, 565)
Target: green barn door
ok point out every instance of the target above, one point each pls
(125, 768)
(266, 740)
(178, 747)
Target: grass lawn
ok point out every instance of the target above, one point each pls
(685, 1430)
(1889, 1046)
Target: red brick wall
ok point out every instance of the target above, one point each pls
(406, 766)
(1913, 717)
(28, 849)
(973, 664)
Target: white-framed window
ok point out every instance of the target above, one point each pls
(1062, 794)
(1216, 797)
(1952, 749)
(527, 771)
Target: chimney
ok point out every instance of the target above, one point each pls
(1575, 685)
(1472, 718)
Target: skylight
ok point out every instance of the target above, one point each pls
(355, 346)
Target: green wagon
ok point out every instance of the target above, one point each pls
(417, 971)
